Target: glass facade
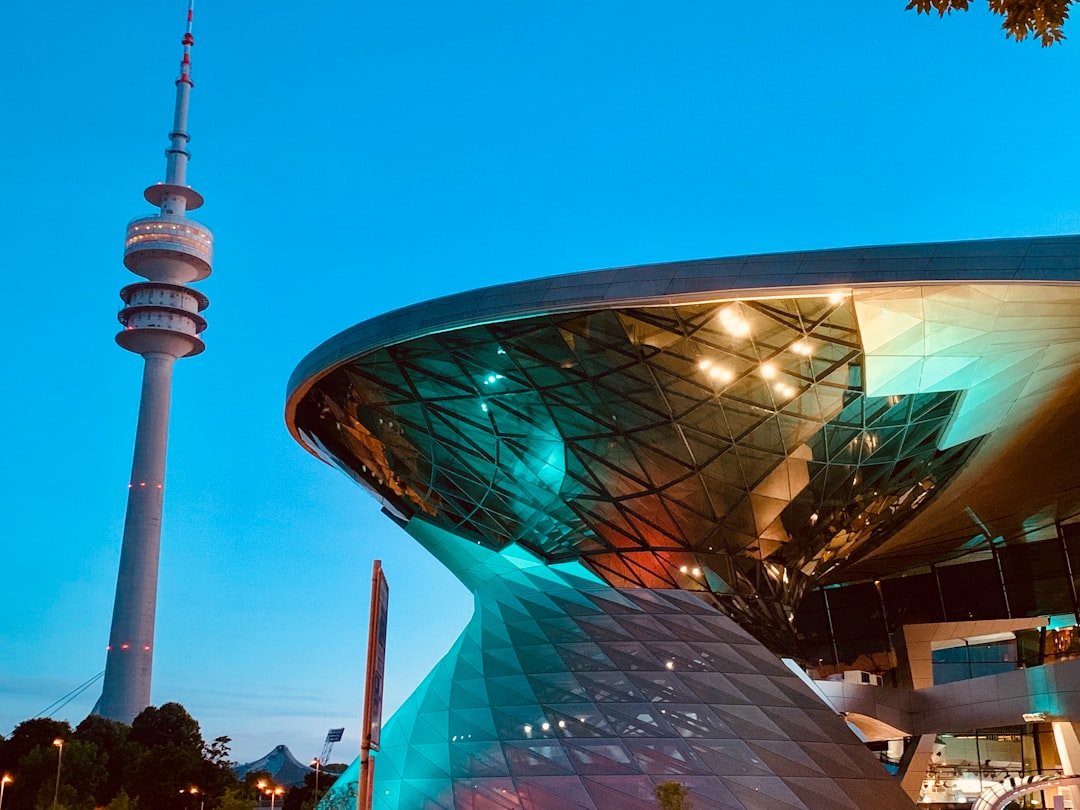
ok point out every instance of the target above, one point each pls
(965, 765)
(564, 692)
(856, 626)
(618, 464)
(725, 448)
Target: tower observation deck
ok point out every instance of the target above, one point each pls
(162, 321)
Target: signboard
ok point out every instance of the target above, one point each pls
(373, 690)
(376, 662)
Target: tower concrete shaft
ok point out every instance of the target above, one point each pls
(162, 322)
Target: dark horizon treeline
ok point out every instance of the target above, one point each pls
(150, 765)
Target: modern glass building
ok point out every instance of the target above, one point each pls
(659, 480)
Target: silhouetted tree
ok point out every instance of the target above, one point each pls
(1040, 19)
(168, 725)
(119, 767)
(114, 752)
(304, 797)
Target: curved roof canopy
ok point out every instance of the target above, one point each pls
(745, 427)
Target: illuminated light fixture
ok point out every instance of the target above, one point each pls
(527, 729)
(545, 726)
(733, 321)
(767, 370)
(813, 518)
(483, 407)
(783, 389)
(562, 724)
(696, 572)
(837, 297)
(704, 364)
(683, 569)
(724, 375)
(669, 665)
(803, 348)
(1035, 717)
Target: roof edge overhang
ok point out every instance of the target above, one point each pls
(1032, 260)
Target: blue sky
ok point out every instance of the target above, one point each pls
(359, 157)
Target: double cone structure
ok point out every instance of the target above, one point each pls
(620, 464)
(564, 692)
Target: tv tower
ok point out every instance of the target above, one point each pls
(162, 323)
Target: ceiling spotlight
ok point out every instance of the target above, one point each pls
(767, 370)
(803, 348)
(724, 375)
(733, 321)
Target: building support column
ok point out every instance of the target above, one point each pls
(1068, 748)
(914, 763)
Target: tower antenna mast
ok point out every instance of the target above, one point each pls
(162, 322)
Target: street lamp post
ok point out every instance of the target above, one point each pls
(3, 782)
(59, 755)
(193, 790)
(315, 763)
(272, 792)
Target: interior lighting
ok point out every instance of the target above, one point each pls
(682, 569)
(669, 665)
(733, 321)
(767, 370)
(545, 726)
(803, 348)
(837, 297)
(704, 364)
(696, 572)
(783, 389)
(724, 375)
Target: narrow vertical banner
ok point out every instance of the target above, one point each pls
(373, 689)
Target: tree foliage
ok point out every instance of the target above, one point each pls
(151, 764)
(1039, 19)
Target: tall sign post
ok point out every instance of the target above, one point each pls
(373, 690)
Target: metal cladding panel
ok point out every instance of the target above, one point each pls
(726, 448)
(564, 692)
(995, 259)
